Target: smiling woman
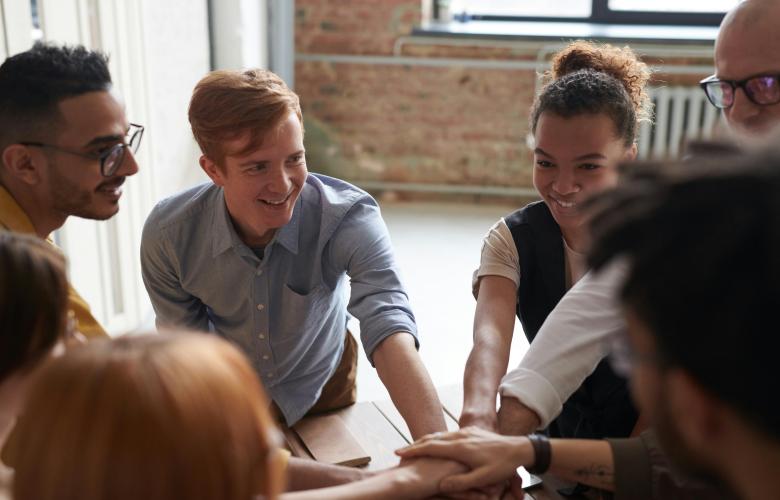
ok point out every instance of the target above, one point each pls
(584, 122)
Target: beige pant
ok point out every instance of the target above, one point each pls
(341, 389)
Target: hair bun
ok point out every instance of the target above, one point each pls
(620, 63)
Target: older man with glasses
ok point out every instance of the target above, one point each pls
(66, 146)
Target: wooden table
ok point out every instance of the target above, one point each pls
(380, 430)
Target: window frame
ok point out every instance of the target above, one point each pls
(602, 14)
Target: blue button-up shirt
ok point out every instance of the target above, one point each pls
(288, 311)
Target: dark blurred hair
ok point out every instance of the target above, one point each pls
(702, 240)
(587, 78)
(32, 83)
(33, 300)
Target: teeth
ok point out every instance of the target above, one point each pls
(565, 204)
(279, 202)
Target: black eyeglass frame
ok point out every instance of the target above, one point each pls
(735, 84)
(117, 150)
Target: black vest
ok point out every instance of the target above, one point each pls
(602, 406)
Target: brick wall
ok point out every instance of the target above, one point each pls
(368, 118)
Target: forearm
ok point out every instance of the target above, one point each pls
(494, 320)
(303, 474)
(379, 487)
(586, 461)
(486, 364)
(416, 479)
(574, 338)
(515, 418)
(402, 372)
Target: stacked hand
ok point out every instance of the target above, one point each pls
(491, 457)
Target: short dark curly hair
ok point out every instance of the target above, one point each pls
(587, 78)
(702, 241)
(32, 84)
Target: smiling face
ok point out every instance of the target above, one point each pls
(261, 187)
(574, 159)
(92, 123)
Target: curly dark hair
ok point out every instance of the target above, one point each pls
(702, 239)
(587, 78)
(32, 83)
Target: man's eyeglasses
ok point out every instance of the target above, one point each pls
(761, 89)
(110, 159)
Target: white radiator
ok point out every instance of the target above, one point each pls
(681, 113)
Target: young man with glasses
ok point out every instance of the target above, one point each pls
(66, 146)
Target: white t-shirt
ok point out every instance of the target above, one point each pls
(574, 338)
(499, 258)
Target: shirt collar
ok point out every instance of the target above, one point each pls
(225, 236)
(222, 230)
(12, 217)
(287, 235)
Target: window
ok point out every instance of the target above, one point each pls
(707, 6)
(672, 12)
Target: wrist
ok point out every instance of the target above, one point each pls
(477, 411)
(542, 453)
(402, 481)
(523, 452)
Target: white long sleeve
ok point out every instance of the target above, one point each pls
(576, 336)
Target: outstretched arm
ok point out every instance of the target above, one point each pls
(387, 327)
(401, 370)
(417, 479)
(574, 338)
(494, 321)
(493, 458)
(306, 474)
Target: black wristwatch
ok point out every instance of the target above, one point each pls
(542, 454)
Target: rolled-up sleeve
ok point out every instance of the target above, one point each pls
(173, 306)
(574, 338)
(378, 299)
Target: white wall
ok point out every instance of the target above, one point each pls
(158, 50)
(177, 56)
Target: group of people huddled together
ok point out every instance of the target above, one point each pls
(647, 291)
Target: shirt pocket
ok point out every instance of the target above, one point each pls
(304, 312)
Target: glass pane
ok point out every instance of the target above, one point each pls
(674, 5)
(551, 8)
(37, 32)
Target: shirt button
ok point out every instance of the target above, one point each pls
(259, 272)
(269, 375)
(261, 336)
(265, 356)
(260, 307)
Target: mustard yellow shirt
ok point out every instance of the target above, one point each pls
(13, 218)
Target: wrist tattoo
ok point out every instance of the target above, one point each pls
(596, 474)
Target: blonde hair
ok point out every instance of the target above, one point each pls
(152, 417)
(589, 78)
(228, 104)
